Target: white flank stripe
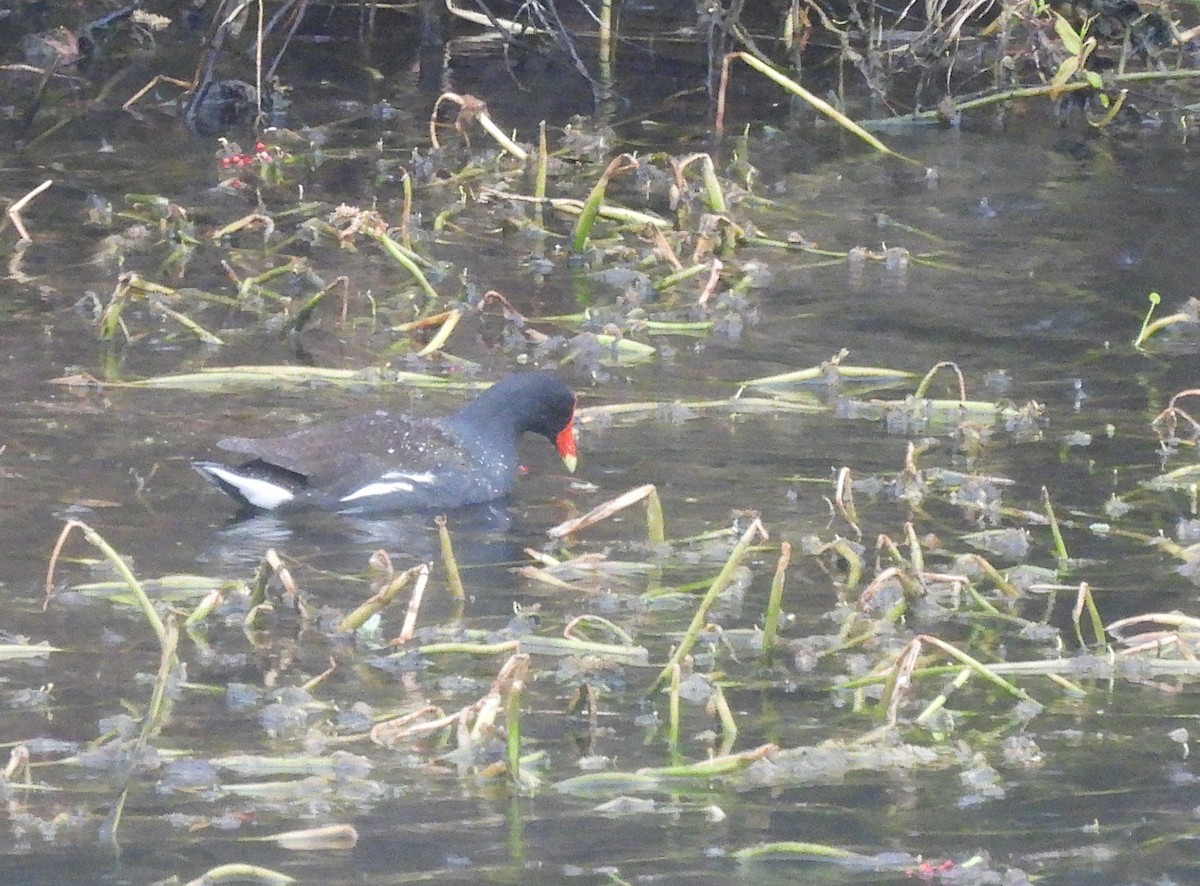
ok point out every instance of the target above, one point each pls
(373, 489)
(260, 493)
(425, 477)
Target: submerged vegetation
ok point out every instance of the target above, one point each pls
(937, 649)
(916, 635)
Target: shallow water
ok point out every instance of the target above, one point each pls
(1034, 251)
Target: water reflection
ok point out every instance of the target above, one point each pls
(1009, 268)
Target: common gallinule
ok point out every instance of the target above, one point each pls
(387, 462)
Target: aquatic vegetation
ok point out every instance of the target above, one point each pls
(937, 630)
(686, 627)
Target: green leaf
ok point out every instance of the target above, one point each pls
(1072, 42)
(1064, 73)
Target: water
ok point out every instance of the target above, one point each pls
(1033, 252)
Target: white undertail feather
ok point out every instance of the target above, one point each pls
(260, 493)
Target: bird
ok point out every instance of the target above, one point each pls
(386, 462)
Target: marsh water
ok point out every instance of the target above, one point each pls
(1032, 252)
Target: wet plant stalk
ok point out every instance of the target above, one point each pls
(792, 848)
(155, 715)
(392, 248)
(975, 665)
(242, 873)
(409, 628)
(442, 335)
(755, 530)
(673, 709)
(302, 316)
(406, 212)
(333, 836)
(119, 564)
(655, 528)
(449, 561)
(1085, 599)
(1060, 546)
(591, 207)
(796, 89)
(938, 703)
(775, 601)
(1006, 587)
(729, 729)
(512, 720)
(540, 177)
(378, 602)
(605, 27)
(204, 608)
(156, 710)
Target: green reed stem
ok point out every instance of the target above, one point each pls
(719, 584)
(775, 600)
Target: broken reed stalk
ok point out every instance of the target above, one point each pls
(492, 702)
(377, 602)
(1060, 546)
(723, 764)
(449, 561)
(899, 679)
(17, 767)
(791, 848)
(167, 663)
(843, 500)
(14, 211)
(976, 666)
(846, 550)
(605, 42)
(259, 34)
(304, 314)
(715, 196)
(681, 276)
(657, 778)
(591, 207)
(127, 285)
(655, 527)
(755, 530)
(1085, 599)
(443, 333)
(922, 390)
(204, 608)
(960, 680)
(118, 562)
(246, 222)
(582, 621)
(241, 873)
(916, 556)
(775, 601)
(512, 722)
(406, 211)
(156, 710)
(673, 708)
(272, 565)
(498, 648)
(1007, 588)
(397, 252)
(796, 89)
(472, 108)
(414, 606)
(569, 646)
(540, 176)
(332, 836)
(729, 729)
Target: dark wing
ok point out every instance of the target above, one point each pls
(358, 447)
